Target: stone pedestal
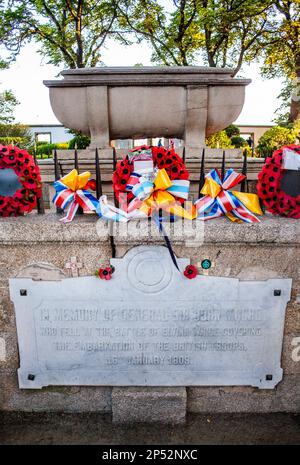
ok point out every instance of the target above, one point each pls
(265, 250)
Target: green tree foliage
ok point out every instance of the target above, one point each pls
(221, 33)
(8, 102)
(275, 138)
(232, 130)
(3, 63)
(224, 33)
(69, 32)
(175, 39)
(238, 141)
(229, 139)
(282, 113)
(17, 134)
(282, 53)
(80, 141)
(220, 140)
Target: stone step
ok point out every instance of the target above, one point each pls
(150, 405)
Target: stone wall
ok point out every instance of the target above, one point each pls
(260, 251)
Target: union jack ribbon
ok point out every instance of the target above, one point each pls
(132, 181)
(142, 188)
(66, 197)
(108, 211)
(219, 201)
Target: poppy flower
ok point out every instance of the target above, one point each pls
(4, 201)
(30, 183)
(21, 155)
(9, 159)
(118, 183)
(184, 174)
(20, 193)
(105, 273)
(175, 169)
(190, 272)
(29, 168)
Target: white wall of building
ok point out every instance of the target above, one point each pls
(53, 134)
(57, 133)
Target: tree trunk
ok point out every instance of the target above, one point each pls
(79, 54)
(294, 110)
(295, 102)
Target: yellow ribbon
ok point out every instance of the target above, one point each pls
(75, 181)
(211, 188)
(162, 199)
(250, 201)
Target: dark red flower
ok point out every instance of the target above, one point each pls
(105, 273)
(190, 272)
(31, 183)
(4, 201)
(27, 169)
(120, 185)
(9, 159)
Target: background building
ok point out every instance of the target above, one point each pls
(57, 133)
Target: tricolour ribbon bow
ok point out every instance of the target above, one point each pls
(159, 194)
(149, 198)
(71, 191)
(219, 201)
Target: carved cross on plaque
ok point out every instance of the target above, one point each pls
(74, 267)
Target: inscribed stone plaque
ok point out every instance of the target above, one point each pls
(150, 326)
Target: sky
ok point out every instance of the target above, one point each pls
(25, 78)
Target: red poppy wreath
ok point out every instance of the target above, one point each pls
(269, 186)
(162, 158)
(29, 186)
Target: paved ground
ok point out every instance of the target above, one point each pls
(36, 428)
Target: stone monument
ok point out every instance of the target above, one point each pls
(149, 345)
(186, 102)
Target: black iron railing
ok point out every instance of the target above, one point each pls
(58, 172)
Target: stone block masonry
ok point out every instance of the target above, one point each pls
(149, 405)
